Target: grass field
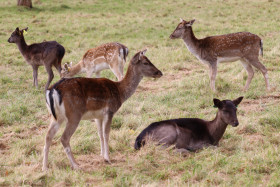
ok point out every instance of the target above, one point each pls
(247, 155)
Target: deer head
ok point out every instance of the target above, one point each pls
(227, 110)
(182, 27)
(17, 35)
(144, 66)
(65, 69)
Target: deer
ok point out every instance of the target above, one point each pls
(48, 54)
(212, 50)
(192, 134)
(82, 98)
(109, 55)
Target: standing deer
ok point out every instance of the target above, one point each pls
(191, 134)
(46, 54)
(109, 55)
(76, 99)
(212, 50)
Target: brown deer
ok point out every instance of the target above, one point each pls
(46, 54)
(76, 99)
(109, 55)
(212, 50)
(191, 134)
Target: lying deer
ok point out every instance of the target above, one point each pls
(109, 55)
(76, 99)
(46, 54)
(191, 134)
(212, 50)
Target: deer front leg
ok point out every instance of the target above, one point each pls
(35, 76)
(106, 126)
(212, 75)
(50, 77)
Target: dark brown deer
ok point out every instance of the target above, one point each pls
(212, 50)
(191, 134)
(46, 54)
(76, 99)
(106, 56)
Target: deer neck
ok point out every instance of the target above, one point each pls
(22, 46)
(191, 41)
(76, 69)
(128, 85)
(217, 128)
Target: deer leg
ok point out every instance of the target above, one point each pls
(99, 127)
(116, 70)
(50, 78)
(65, 140)
(106, 125)
(250, 73)
(54, 126)
(35, 76)
(212, 75)
(97, 74)
(256, 63)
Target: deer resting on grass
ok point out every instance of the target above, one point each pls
(191, 134)
(109, 55)
(76, 99)
(46, 54)
(212, 50)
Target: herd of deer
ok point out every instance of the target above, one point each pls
(75, 99)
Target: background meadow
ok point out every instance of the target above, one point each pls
(247, 154)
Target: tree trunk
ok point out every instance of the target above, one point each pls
(27, 3)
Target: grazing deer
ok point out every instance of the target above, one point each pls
(212, 50)
(109, 55)
(76, 99)
(46, 54)
(191, 134)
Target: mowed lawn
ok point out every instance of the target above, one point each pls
(247, 155)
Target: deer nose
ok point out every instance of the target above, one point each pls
(236, 123)
(158, 74)
(171, 36)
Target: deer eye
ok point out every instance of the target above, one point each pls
(146, 63)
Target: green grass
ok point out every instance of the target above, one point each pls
(247, 155)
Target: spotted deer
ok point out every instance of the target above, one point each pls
(76, 99)
(109, 55)
(191, 134)
(46, 54)
(212, 50)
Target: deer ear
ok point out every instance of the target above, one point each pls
(70, 64)
(142, 53)
(237, 101)
(181, 20)
(218, 103)
(190, 23)
(25, 29)
(17, 29)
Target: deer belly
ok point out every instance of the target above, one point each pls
(96, 114)
(227, 59)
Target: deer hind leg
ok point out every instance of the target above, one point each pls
(35, 76)
(65, 140)
(50, 78)
(212, 75)
(54, 126)
(256, 63)
(250, 73)
(99, 127)
(117, 67)
(106, 125)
